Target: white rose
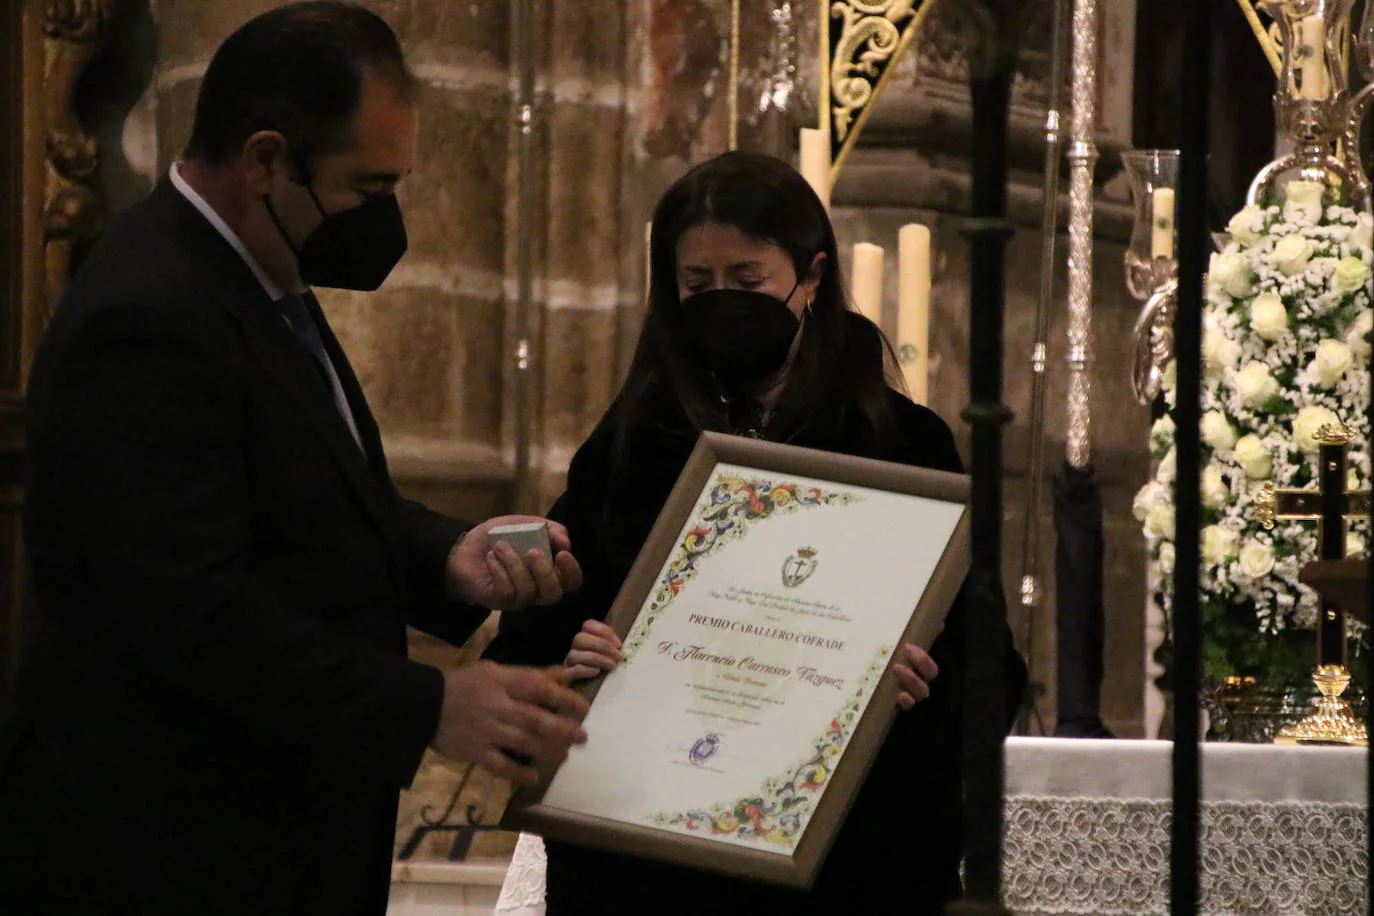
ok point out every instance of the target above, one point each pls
(1306, 424)
(1304, 205)
(1363, 234)
(1215, 492)
(1255, 384)
(1292, 253)
(1159, 522)
(1218, 433)
(1145, 499)
(1350, 275)
(1242, 225)
(1218, 543)
(1254, 459)
(1219, 352)
(1354, 545)
(1304, 191)
(1166, 557)
(1357, 337)
(1231, 273)
(1256, 560)
(1168, 465)
(1268, 317)
(1333, 358)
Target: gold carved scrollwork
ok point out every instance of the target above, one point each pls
(73, 30)
(869, 35)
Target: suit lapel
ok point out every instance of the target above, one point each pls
(295, 370)
(353, 391)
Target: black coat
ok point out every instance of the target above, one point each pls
(899, 848)
(215, 711)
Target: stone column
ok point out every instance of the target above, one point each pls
(577, 175)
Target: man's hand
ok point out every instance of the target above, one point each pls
(594, 650)
(915, 676)
(509, 720)
(495, 576)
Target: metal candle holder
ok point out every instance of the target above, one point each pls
(1311, 103)
(1151, 278)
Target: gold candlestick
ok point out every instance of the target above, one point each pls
(1334, 721)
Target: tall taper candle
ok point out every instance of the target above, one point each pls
(913, 309)
(814, 162)
(648, 256)
(1312, 38)
(1162, 223)
(867, 286)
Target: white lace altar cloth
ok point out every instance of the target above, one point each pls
(523, 891)
(1087, 831)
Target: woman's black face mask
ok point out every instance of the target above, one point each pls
(741, 336)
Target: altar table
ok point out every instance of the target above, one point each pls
(1087, 828)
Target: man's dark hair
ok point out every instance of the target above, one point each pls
(299, 70)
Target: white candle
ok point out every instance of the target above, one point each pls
(1162, 223)
(913, 309)
(867, 286)
(1312, 67)
(814, 162)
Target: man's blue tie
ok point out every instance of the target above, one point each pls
(303, 326)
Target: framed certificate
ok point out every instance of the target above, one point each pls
(760, 623)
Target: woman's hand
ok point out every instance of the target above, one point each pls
(594, 650)
(915, 676)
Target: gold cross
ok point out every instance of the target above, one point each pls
(1331, 503)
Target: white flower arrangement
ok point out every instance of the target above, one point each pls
(1287, 326)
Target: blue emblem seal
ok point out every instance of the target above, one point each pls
(704, 749)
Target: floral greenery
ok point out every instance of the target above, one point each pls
(1286, 345)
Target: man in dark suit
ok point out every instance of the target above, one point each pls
(216, 712)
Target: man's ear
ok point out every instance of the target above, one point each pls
(263, 159)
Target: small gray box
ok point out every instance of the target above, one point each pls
(524, 537)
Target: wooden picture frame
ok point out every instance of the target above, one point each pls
(529, 809)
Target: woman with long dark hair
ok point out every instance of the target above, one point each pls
(748, 333)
